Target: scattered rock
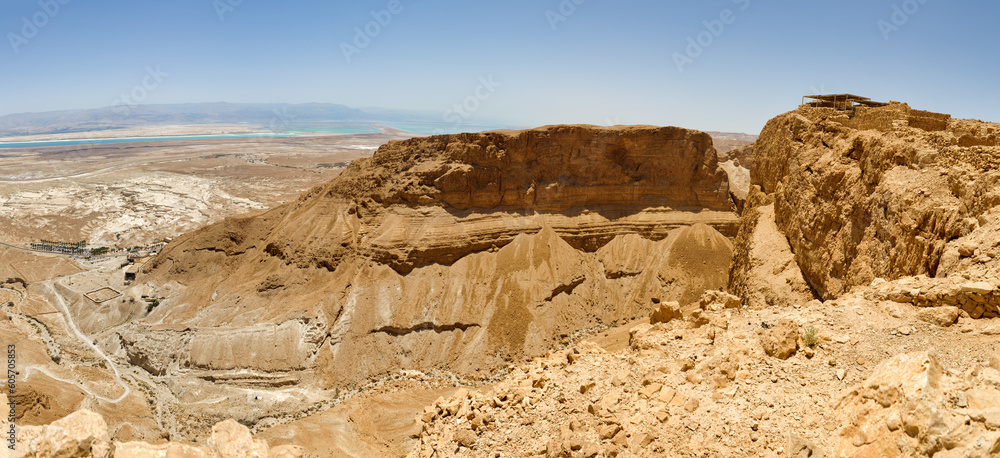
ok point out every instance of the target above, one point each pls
(466, 438)
(81, 434)
(233, 440)
(940, 316)
(799, 447)
(781, 341)
(666, 312)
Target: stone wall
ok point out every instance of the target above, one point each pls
(978, 297)
(928, 120)
(880, 118)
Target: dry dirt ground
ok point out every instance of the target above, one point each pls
(684, 389)
(128, 194)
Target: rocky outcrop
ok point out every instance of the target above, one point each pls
(84, 434)
(879, 194)
(736, 163)
(457, 252)
(910, 406)
(979, 298)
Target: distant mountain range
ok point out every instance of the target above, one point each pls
(275, 115)
(733, 136)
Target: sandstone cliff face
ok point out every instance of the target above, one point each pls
(454, 252)
(883, 194)
(764, 272)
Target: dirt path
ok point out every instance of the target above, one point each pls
(20, 295)
(61, 305)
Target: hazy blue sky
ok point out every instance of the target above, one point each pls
(550, 61)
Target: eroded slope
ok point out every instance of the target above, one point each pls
(457, 252)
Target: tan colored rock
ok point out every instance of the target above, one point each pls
(718, 300)
(799, 447)
(590, 450)
(968, 248)
(609, 431)
(650, 390)
(621, 377)
(620, 439)
(172, 449)
(233, 440)
(940, 316)
(764, 271)
(287, 451)
(458, 252)
(81, 434)
(983, 288)
(640, 440)
(666, 312)
(905, 409)
(691, 405)
(667, 394)
(781, 340)
(465, 437)
(872, 195)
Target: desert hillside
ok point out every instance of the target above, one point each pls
(455, 252)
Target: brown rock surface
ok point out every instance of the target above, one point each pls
(459, 252)
(871, 195)
(903, 409)
(84, 434)
(782, 340)
(711, 390)
(764, 272)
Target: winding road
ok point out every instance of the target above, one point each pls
(20, 295)
(61, 304)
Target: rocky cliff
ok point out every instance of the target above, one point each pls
(883, 193)
(457, 252)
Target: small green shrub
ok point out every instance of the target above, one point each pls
(810, 336)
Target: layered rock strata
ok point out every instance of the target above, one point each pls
(458, 252)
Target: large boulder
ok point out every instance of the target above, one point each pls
(81, 434)
(905, 408)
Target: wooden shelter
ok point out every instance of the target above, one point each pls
(842, 102)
